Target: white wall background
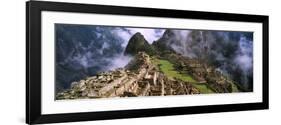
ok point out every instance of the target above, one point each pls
(12, 63)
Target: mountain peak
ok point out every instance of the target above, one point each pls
(138, 43)
(138, 35)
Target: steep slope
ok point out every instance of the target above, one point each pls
(164, 43)
(137, 43)
(164, 71)
(83, 50)
(145, 80)
(229, 52)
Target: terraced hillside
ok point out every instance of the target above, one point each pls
(143, 76)
(152, 72)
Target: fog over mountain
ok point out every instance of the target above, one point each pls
(85, 50)
(230, 52)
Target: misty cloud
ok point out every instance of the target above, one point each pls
(125, 34)
(119, 61)
(84, 50)
(229, 51)
(244, 55)
(150, 35)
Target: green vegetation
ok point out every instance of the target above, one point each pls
(234, 87)
(138, 43)
(168, 69)
(203, 88)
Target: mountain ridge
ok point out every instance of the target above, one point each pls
(138, 43)
(158, 73)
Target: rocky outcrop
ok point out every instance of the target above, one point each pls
(143, 80)
(219, 49)
(138, 43)
(203, 73)
(142, 76)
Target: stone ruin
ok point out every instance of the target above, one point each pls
(203, 73)
(143, 80)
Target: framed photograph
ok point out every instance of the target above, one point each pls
(95, 62)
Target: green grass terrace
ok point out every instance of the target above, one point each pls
(169, 70)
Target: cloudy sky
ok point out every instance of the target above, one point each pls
(149, 34)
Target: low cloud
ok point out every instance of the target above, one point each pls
(118, 61)
(212, 46)
(150, 35)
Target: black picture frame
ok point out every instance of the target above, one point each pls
(33, 61)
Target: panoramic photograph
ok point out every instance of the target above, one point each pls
(93, 61)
